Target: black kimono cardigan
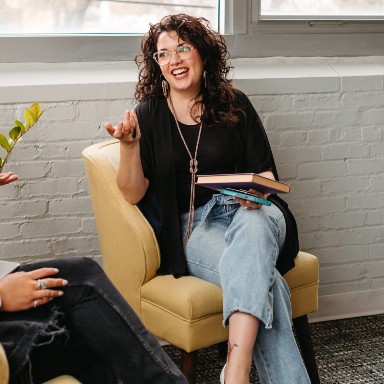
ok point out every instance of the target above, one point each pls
(160, 203)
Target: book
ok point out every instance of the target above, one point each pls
(7, 267)
(243, 181)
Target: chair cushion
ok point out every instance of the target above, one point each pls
(187, 297)
(306, 271)
(186, 312)
(303, 281)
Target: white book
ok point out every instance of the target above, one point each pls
(7, 267)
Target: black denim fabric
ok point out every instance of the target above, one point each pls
(90, 332)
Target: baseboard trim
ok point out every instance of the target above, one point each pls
(346, 305)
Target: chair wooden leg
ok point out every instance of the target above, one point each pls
(222, 349)
(304, 339)
(189, 365)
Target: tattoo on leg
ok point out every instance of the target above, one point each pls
(230, 349)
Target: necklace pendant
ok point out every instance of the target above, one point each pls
(193, 166)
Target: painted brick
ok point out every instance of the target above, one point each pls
(29, 208)
(343, 220)
(373, 117)
(357, 100)
(54, 112)
(322, 101)
(26, 250)
(345, 151)
(376, 269)
(344, 254)
(371, 134)
(73, 206)
(344, 273)
(351, 184)
(364, 166)
(322, 170)
(9, 230)
(301, 120)
(50, 227)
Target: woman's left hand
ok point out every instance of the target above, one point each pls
(247, 204)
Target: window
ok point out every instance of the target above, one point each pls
(321, 9)
(96, 16)
(311, 28)
(85, 30)
(253, 28)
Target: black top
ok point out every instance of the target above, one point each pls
(215, 154)
(250, 152)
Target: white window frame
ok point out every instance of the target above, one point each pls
(246, 35)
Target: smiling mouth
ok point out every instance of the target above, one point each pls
(179, 72)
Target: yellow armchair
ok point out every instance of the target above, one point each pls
(185, 312)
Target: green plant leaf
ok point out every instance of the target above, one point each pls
(1, 162)
(35, 111)
(14, 133)
(21, 125)
(4, 142)
(28, 119)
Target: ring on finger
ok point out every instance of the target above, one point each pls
(42, 284)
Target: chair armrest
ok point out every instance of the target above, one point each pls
(128, 244)
(4, 369)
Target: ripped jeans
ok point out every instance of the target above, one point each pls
(237, 250)
(90, 332)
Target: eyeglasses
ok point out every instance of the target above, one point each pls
(163, 57)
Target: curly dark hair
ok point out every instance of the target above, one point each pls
(218, 97)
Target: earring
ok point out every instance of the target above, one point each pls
(205, 78)
(165, 86)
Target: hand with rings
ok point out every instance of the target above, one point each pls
(24, 290)
(127, 130)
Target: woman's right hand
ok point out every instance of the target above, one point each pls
(25, 290)
(6, 178)
(127, 131)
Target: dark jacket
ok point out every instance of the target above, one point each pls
(252, 154)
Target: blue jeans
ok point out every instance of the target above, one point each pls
(90, 332)
(237, 250)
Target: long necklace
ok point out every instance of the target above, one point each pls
(193, 168)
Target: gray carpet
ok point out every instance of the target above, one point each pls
(348, 351)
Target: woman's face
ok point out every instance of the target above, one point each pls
(183, 75)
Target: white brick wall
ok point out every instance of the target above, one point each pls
(326, 127)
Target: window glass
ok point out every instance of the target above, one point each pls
(96, 16)
(322, 8)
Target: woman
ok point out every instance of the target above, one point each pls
(65, 317)
(191, 120)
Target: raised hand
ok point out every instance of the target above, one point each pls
(24, 290)
(127, 130)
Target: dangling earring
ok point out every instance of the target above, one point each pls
(205, 78)
(165, 86)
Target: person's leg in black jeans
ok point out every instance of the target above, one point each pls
(108, 326)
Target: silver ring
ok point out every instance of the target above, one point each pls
(35, 304)
(42, 284)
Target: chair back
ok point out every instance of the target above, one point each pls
(128, 245)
